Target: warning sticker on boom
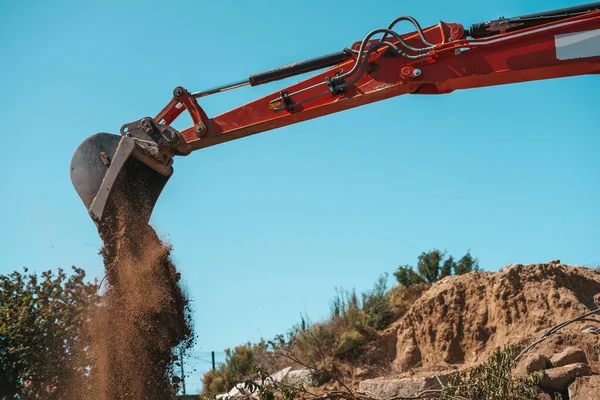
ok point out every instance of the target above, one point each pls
(578, 45)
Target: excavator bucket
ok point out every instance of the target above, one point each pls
(112, 175)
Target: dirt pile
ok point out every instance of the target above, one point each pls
(144, 314)
(461, 320)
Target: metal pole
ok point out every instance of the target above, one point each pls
(213, 359)
(182, 373)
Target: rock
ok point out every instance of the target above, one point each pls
(570, 355)
(409, 355)
(585, 388)
(559, 379)
(387, 389)
(239, 390)
(279, 376)
(360, 372)
(555, 262)
(532, 363)
(301, 377)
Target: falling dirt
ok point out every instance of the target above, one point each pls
(143, 317)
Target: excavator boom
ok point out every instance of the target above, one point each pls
(110, 171)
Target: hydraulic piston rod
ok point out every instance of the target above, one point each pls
(503, 25)
(286, 71)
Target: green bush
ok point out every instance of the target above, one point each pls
(369, 310)
(213, 383)
(492, 380)
(316, 343)
(238, 365)
(376, 305)
(42, 340)
(344, 302)
(431, 267)
(406, 276)
(349, 341)
(466, 264)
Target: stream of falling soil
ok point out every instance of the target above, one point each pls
(144, 316)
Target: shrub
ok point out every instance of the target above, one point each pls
(466, 264)
(238, 365)
(42, 340)
(213, 383)
(376, 305)
(349, 342)
(492, 380)
(401, 298)
(431, 267)
(344, 302)
(316, 343)
(406, 276)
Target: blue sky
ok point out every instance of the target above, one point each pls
(265, 228)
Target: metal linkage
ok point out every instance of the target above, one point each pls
(337, 84)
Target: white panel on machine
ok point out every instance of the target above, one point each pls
(578, 45)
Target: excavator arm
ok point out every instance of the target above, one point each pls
(110, 170)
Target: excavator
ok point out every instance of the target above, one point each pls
(110, 171)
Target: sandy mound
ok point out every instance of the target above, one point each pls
(463, 319)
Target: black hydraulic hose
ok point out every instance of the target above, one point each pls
(417, 27)
(374, 48)
(332, 59)
(363, 65)
(378, 44)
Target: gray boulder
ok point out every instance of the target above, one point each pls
(300, 377)
(386, 389)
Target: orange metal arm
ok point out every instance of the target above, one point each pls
(109, 170)
(561, 48)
